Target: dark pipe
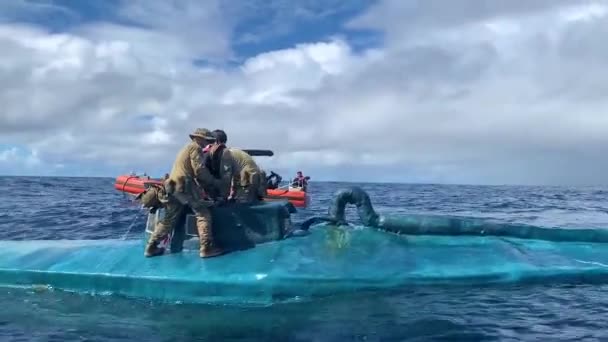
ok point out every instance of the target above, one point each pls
(316, 219)
(336, 213)
(259, 153)
(447, 226)
(357, 196)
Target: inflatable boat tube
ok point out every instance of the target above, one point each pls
(137, 184)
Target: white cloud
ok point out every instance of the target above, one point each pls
(14, 161)
(495, 93)
(16, 10)
(8, 155)
(195, 25)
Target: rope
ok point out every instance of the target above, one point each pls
(283, 193)
(124, 185)
(286, 187)
(124, 236)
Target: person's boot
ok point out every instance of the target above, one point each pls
(153, 250)
(208, 248)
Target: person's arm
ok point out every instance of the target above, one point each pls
(201, 173)
(226, 181)
(232, 190)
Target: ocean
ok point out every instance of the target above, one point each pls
(89, 208)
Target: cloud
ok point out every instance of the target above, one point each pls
(268, 20)
(403, 18)
(15, 160)
(31, 11)
(484, 93)
(197, 26)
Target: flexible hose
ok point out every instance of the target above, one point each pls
(337, 210)
(445, 225)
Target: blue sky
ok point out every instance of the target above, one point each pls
(386, 90)
(278, 25)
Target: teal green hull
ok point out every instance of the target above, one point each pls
(267, 266)
(328, 261)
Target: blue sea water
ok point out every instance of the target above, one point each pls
(89, 208)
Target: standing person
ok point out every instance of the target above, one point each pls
(183, 188)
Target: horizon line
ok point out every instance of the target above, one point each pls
(355, 182)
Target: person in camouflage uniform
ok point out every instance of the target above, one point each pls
(182, 189)
(248, 181)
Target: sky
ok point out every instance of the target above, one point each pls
(416, 91)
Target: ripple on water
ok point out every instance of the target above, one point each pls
(503, 313)
(81, 208)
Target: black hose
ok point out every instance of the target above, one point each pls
(337, 210)
(441, 225)
(316, 219)
(357, 196)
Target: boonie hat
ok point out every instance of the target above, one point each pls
(203, 133)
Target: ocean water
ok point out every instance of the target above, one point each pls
(89, 208)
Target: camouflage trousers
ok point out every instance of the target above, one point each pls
(176, 206)
(250, 186)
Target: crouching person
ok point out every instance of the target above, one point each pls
(184, 188)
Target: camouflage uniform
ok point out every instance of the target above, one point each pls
(184, 187)
(223, 170)
(249, 181)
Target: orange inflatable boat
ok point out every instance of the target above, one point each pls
(135, 185)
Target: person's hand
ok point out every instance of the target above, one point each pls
(219, 202)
